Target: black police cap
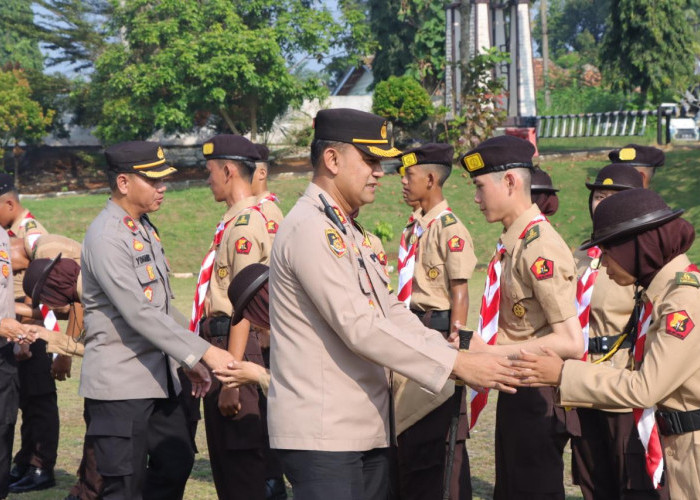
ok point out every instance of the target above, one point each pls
(616, 176)
(244, 286)
(368, 132)
(138, 157)
(427, 154)
(628, 213)
(638, 156)
(7, 183)
(541, 182)
(497, 155)
(230, 147)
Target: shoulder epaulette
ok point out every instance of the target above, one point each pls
(448, 219)
(532, 234)
(243, 220)
(690, 279)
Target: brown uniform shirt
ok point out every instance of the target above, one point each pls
(445, 252)
(245, 241)
(272, 213)
(538, 280)
(335, 327)
(29, 230)
(669, 375)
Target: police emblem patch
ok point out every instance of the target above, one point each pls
(340, 215)
(455, 244)
(222, 272)
(433, 273)
(335, 242)
(271, 226)
(5, 270)
(243, 246)
(243, 220)
(542, 268)
(3, 255)
(366, 242)
(381, 257)
(679, 324)
(138, 246)
(129, 222)
(148, 292)
(151, 272)
(519, 310)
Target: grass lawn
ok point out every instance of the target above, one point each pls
(187, 221)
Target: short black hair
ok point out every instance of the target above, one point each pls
(442, 171)
(112, 179)
(318, 146)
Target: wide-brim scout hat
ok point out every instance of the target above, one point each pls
(638, 156)
(628, 213)
(369, 133)
(618, 177)
(35, 277)
(428, 154)
(138, 157)
(498, 154)
(230, 147)
(244, 286)
(541, 182)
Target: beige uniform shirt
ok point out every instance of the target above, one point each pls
(335, 327)
(272, 213)
(245, 241)
(49, 246)
(29, 230)
(445, 252)
(669, 375)
(538, 280)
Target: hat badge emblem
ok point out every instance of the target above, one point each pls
(382, 132)
(160, 153)
(627, 154)
(607, 182)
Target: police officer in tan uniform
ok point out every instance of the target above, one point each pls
(644, 243)
(608, 458)
(645, 159)
(267, 201)
(235, 433)
(336, 326)
(537, 293)
(439, 296)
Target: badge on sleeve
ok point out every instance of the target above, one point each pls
(5, 270)
(681, 279)
(542, 268)
(679, 324)
(271, 227)
(243, 246)
(129, 222)
(335, 242)
(448, 219)
(456, 244)
(151, 272)
(532, 234)
(138, 246)
(31, 224)
(148, 292)
(243, 220)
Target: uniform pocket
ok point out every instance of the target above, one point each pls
(113, 444)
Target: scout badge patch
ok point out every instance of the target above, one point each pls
(542, 268)
(271, 227)
(456, 244)
(243, 246)
(679, 324)
(243, 220)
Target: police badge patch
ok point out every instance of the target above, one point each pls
(335, 242)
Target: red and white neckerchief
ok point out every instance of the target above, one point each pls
(488, 315)
(205, 271)
(584, 292)
(644, 417)
(407, 257)
(50, 320)
(269, 197)
(31, 239)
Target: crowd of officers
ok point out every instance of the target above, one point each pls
(325, 375)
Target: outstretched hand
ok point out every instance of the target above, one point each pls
(200, 378)
(482, 370)
(537, 371)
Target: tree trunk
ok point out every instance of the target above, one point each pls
(228, 120)
(15, 153)
(254, 119)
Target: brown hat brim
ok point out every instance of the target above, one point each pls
(541, 188)
(248, 294)
(614, 187)
(39, 285)
(633, 226)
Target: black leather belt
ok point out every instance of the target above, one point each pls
(437, 320)
(602, 345)
(677, 422)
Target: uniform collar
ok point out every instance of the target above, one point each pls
(15, 228)
(237, 207)
(510, 237)
(313, 190)
(665, 276)
(426, 219)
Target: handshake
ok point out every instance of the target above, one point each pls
(14, 331)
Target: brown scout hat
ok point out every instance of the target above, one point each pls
(244, 286)
(638, 156)
(369, 133)
(428, 154)
(138, 157)
(497, 155)
(541, 182)
(230, 147)
(35, 276)
(629, 212)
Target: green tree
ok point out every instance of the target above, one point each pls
(402, 100)
(21, 118)
(649, 45)
(16, 47)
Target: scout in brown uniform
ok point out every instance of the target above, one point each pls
(645, 159)
(608, 457)
(336, 326)
(444, 262)
(235, 432)
(644, 243)
(543, 193)
(537, 292)
(267, 201)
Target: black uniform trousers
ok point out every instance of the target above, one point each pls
(9, 402)
(39, 405)
(608, 460)
(142, 447)
(531, 433)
